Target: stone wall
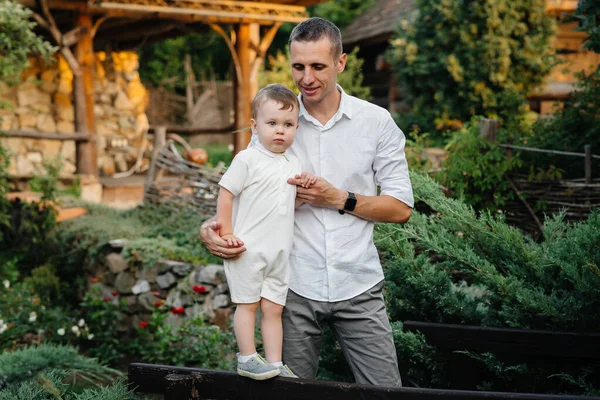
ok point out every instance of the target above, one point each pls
(187, 290)
(43, 102)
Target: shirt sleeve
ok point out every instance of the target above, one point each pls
(391, 167)
(236, 175)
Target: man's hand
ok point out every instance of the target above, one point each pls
(209, 233)
(320, 194)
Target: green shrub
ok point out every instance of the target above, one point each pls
(194, 343)
(48, 371)
(457, 59)
(476, 169)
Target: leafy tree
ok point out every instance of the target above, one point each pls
(165, 59)
(456, 59)
(351, 79)
(340, 12)
(588, 14)
(18, 41)
(577, 122)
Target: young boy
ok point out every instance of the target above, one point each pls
(257, 204)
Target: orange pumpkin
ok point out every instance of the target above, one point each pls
(198, 156)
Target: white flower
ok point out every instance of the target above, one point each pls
(61, 331)
(81, 322)
(3, 326)
(6, 283)
(32, 316)
(75, 330)
(90, 336)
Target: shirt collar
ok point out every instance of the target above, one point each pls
(259, 146)
(345, 105)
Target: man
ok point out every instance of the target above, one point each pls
(354, 147)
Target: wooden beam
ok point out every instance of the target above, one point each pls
(72, 37)
(231, 45)
(77, 136)
(84, 98)
(247, 10)
(243, 89)
(220, 385)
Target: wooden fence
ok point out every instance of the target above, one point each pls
(576, 197)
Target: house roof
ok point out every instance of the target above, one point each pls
(378, 24)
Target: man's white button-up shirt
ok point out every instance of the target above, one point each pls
(358, 150)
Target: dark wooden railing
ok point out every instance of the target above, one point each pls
(181, 383)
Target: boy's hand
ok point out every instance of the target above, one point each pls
(306, 180)
(232, 240)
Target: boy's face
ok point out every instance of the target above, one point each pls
(315, 70)
(275, 127)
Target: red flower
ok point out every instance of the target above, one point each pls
(199, 289)
(157, 294)
(178, 310)
(159, 303)
(114, 293)
(106, 299)
(143, 324)
(93, 280)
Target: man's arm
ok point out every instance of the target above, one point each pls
(374, 208)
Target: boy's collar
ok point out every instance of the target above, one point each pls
(259, 146)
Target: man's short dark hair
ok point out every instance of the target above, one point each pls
(278, 93)
(314, 29)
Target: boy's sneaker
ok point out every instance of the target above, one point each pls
(257, 368)
(286, 372)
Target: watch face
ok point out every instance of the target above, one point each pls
(350, 202)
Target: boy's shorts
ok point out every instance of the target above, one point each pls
(249, 281)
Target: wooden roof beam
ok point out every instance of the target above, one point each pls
(215, 11)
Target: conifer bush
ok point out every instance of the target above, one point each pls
(454, 265)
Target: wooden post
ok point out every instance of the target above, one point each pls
(488, 129)
(83, 86)
(160, 138)
(190, 81)
(588, 164)
(244, 90)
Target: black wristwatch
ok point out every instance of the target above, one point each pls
(350, 203)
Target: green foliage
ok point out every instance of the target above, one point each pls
(4, 189)
(23, 364)
(587, 14)
(340, 12)
(47, 183)
(457, 59)
(18, 41)
(163, 60)
(194, 343)
(420, 364)
(350, 80)
(476, 169)
(45, 283)
(454, 265)
(41, 373)
(102, 316)
(572, 127)
(218, 153)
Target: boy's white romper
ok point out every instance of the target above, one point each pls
(263, 218)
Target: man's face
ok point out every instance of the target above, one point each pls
(315, 70)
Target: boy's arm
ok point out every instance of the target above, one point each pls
(224, 210)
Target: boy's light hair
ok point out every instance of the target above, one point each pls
(315, 29)
(278, 93)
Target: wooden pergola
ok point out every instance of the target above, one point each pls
(80, 27)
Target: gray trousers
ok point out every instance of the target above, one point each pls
(361, 327)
